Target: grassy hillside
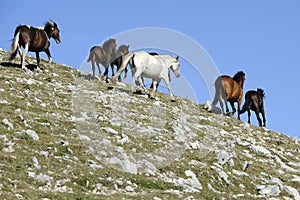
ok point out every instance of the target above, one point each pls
(63, 136)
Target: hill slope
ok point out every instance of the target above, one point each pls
(63, 136)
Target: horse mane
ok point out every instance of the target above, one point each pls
(123, 47)
(51, 23)
(261, 92)
(108, 42)
(238, 77)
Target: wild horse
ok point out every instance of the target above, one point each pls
(229, 89)
(254, 101)
(102, 55)
(34, 40)
(155, 67)
(117, 59)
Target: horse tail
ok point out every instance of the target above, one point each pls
(125, 60)
(91, 54)
(219, 90)
(14, 46)
(246, 105)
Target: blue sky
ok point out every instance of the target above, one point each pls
(262, 38)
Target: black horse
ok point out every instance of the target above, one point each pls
(254, 101)
(34, 40)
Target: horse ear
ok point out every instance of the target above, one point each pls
(177, 58)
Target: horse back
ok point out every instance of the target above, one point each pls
(232, 89)
(254, 98)
(97, 53)
(36, 38)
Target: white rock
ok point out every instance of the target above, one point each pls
(8, 149)
(8, 124)
(44, 153)
(44, 178)
(32, 134)
(36, 163)
(268, 190)
(124, 139)
(296, 178)
(3, 102)
(292, 191)
(129, 188)
(223, 157)
(31, 174)
(246, 165)
(189, 198)
(260, 150)
(110, 130)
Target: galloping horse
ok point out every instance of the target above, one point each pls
(123, 50)
(230, 89)
(254, 101)
(34, 40)
(149, 66)
(102, 55)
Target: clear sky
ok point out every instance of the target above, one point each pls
(262, 38)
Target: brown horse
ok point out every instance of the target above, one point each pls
(34, 40)
(102, 55)
(117, 60)
(230, 89)
(254, 101)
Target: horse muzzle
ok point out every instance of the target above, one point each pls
(177, 74)
(57, 40)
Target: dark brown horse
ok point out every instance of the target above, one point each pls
(102, 55)
(254, 101)
(34, 40)
(230, 89)
(117, 60)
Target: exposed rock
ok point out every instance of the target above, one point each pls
(32, 134)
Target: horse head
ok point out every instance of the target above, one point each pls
(110, 46)
(175, 66)
(240, 77)
(52, 31)
(261, 93)
(124, 49)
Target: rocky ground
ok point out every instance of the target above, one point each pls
(65, 136)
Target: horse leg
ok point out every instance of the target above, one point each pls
(249, 115)
(154, 83)
(232, 107)
(126, 70)
(166, 79)
(47, 51)
(24, 55)
(221, 105)
(112, 69)
(141, 82)
(257, 116)
(106, 71)
(93, 69)
(264, 117)
(239, 106)
(37, 55)
(99, 69)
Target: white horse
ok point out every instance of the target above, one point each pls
(155, 67)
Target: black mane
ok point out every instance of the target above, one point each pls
(261, 92)
(239, 76)
(50, 23)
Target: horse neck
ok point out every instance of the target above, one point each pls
(48, 32)
(241, 84)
